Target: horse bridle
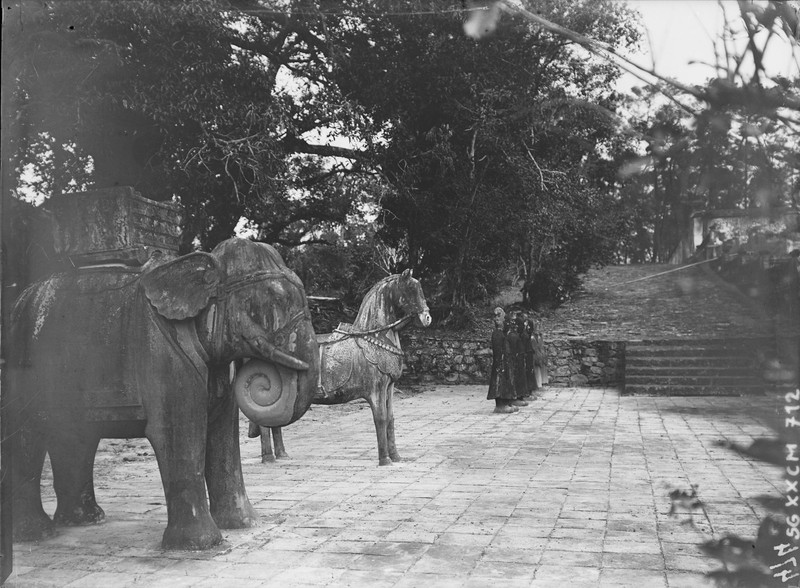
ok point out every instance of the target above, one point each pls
(373, 340)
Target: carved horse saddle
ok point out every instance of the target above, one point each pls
(340, 350)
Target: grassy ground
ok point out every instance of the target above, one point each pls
(641, 302)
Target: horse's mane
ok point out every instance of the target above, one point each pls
(368, 313)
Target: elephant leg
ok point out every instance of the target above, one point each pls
(181, 453)
(377, 402)
(30, 521)
(266, 445)
(277, 439)
(393, 453)
(72, 457)
(230, 507)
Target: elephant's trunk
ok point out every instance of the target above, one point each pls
(267, 350)
(276, 387)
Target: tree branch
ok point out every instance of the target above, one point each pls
(318, 179)
(295, 145)
(604, 50)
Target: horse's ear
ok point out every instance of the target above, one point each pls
(408, 273)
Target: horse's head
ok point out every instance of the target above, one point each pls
(408, 297)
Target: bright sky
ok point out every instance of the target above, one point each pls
(682, 31)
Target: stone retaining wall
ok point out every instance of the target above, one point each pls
(440, 359)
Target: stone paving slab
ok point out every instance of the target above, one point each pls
(571, 491)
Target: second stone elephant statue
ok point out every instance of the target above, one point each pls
(129, 352)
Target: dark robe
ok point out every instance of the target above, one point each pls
(516, 363)
(540, 358)
(528, 342)
(499, 384)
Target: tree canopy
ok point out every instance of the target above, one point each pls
(179, 100)
(300, 116)
(490, 146)
(467, 158)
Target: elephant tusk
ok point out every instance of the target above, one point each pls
(275, 355)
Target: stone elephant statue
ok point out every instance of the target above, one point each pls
(145, 352)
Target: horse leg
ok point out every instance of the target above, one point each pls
(277, 439)
(254, 431)
(266, 446)
(378, 406)
(393, 454)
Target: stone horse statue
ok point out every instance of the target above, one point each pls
(364, 360)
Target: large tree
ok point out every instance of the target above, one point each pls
(230, 106)
(193, 100)
(282, 112)
(489, 145)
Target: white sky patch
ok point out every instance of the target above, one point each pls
(683, 35)
(246, 229)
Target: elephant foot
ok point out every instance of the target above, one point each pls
(384, 461)
(32, 527)
(235, 518)
(395, 457)
(282, 455)
(267, 458)
(82, 514)
(195, 536)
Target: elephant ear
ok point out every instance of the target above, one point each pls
(183, 287)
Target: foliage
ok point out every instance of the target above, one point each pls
(180, 100)
(347, 268)
(486, 144)
(717, 160)
(734, 146)
(231, 107)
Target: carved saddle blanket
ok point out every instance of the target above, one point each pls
(344, 351)
(66, 351)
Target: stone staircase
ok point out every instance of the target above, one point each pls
(696, 367)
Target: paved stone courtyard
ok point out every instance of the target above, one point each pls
(571, 491)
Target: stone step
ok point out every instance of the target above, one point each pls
(677, 390)
(737, 370)
(697, 367)
(680, 380)
(749, 362)
(686, 351)
(730, 342)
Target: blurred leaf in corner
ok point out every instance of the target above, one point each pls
(482, 20)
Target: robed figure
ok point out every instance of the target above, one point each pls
(516, 360)
(539, 359)
(529, 342)
(500, 387)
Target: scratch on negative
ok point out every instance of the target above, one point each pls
(42, 304)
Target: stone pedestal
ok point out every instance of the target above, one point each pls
(114, 225)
